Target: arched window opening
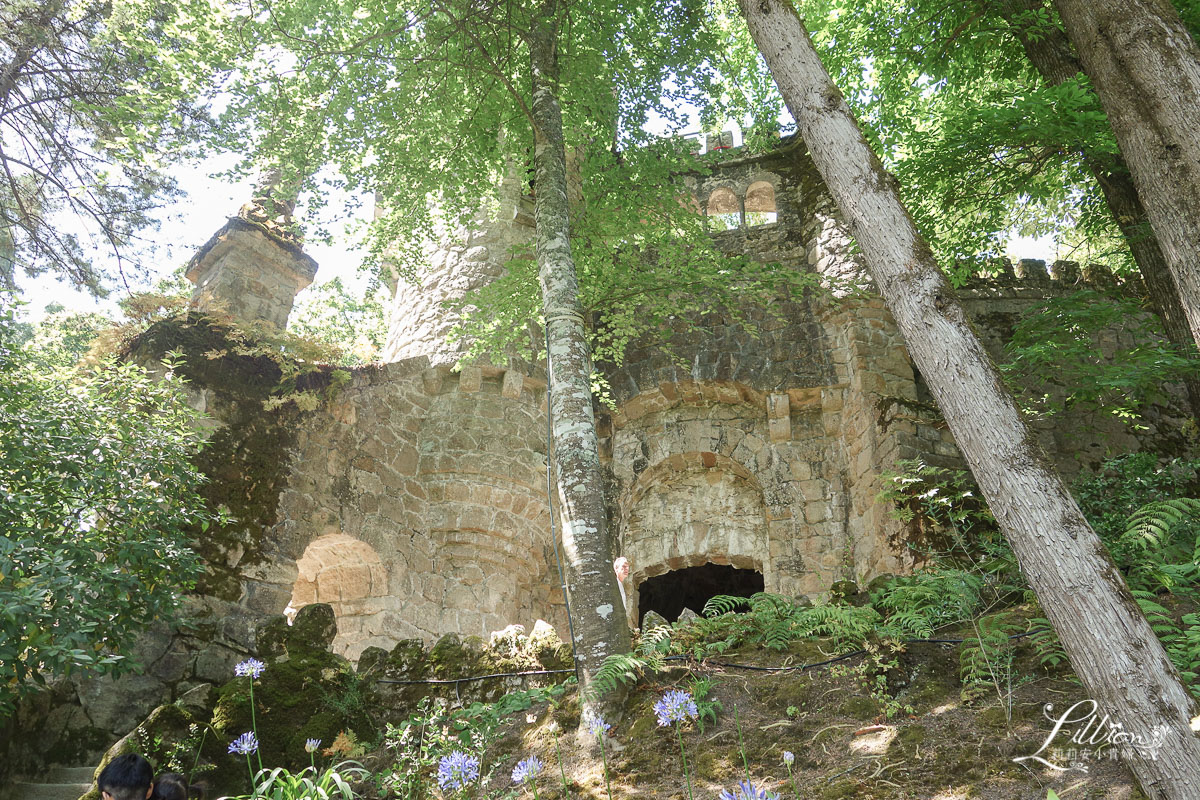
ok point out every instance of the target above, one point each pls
(724, 209)
(692, 587)
(347, 574)
(760, 204)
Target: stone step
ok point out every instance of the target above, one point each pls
(70, 774)
(50, 791)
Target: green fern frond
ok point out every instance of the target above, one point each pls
(725, 604)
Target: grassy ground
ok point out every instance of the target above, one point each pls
(835, 721)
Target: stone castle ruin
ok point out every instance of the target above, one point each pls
(415, 502)
(413, 499)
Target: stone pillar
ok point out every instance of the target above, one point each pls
(250, 273)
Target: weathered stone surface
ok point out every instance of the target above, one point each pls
(653, 620)
(249, 274)
(106, 700)
(315, 628)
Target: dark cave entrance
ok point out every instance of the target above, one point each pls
(692, 587)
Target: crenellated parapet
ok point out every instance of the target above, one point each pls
(1034, 279)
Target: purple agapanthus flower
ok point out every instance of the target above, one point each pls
(595, 723)
(789, 757)
(527, 770)
(457, 770)
(675, 706)
(251, 667)
(311, 745)
(245, 744)
(747, 791)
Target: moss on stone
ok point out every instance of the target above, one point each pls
(860, 708)
(907, 740)
(245, 460)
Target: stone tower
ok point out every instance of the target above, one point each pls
(254, 266)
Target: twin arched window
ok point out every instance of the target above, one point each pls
(730, 212)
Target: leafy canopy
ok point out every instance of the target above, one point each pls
(97, 97)
(429, 105)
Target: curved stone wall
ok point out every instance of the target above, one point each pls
(440, 474)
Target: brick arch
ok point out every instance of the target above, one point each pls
(694, 461)
(347, 574)
(760, 203)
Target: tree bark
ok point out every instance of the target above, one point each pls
(1051, 55)
(1146, 70)
(599, 621)
(1125, 668)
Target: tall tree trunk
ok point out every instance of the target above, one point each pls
(1049, 50)
(1109, 642)
(599, 621)
(1146, 68)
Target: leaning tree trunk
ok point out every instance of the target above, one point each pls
(599, 620)
(1050, 53)
(1146, 69)
(1109, 642)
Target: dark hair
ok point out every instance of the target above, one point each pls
(126, 777)
(174, 786)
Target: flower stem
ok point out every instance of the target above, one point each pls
(686, 777)
(199, 749)
(254, 726)
(792, 778)
(250, 769)
(533, 785)
(561, 770)
(604, 755)
(742, 747)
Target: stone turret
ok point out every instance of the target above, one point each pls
(254, 266)
(464, 259)
(249, 273)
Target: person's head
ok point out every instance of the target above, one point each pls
(127, 777)
(621, 567)
(171, 786)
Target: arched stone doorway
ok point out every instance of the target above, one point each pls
(694, 510)
(347, 574)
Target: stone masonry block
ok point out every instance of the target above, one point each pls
(471, 379)
(513, 383)
(780, 429)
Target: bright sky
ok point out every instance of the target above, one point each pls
(186, 226)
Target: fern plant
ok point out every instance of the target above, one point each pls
(648, 657)
(986, 659)
(774, 622)
(917, 604)
(1181, 641)
(1160, 546)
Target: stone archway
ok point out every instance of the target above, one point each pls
(695, 509)
(347, 574)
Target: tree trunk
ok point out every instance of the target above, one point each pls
(1109, 642)
(600, 629)
(1146, 69)
(1050, 53)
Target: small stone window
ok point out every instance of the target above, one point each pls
(720, 141)
(724, 210)
(760, 204)
(692, 587)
